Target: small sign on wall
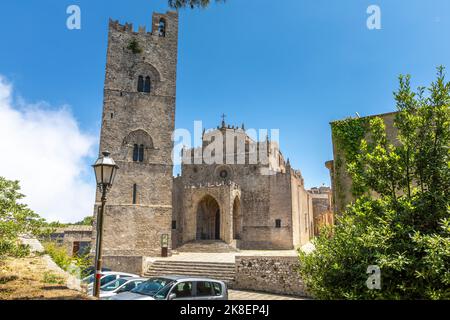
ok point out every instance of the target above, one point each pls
(164, 245)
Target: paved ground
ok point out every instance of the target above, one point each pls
(256, 296)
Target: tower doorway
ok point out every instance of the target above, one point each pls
(208, 219)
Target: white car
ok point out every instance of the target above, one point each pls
(119, 286)
(107, 277)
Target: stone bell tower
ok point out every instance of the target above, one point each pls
(137, 124)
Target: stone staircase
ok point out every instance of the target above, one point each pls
(213, 270)
(206, 246)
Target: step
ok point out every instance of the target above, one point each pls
(206, 247)
(223, 271)
(216, 274)
(226, 279)
(187, 270)
(194, 264)
(193, 274)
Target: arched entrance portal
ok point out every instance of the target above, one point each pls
(208, 219)
(237, 219)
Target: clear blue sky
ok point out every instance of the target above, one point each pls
(295, 65)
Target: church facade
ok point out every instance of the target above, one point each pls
(249, 198)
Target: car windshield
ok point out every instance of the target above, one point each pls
(113, 285)
(152, 286)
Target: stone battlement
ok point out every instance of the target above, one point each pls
(128, 27)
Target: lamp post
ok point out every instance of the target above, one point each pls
(105, 171)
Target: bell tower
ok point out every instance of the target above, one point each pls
(137, 124)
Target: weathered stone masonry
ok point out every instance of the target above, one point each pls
(139, 209)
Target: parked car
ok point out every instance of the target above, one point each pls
(177, 288)
(107, 277)
(120, 285)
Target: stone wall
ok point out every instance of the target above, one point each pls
(341, 180)
(128, 264)
(269, 274)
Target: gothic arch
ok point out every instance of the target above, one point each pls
(237, 219)
(208, 219)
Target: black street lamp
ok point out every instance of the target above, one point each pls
(105, 171)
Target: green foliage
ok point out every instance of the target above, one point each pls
(178, 4)
(134, 47)
(15, 219)
(88, 221)
(59, 255)
(348, 135)
(403, 225)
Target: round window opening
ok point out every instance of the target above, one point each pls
(224, 174)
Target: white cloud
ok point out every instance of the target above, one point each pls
(46, 151)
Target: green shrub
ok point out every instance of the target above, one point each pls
(405, 229)
(73, 265)
(134, 47)
(10, 248)
(58, 254)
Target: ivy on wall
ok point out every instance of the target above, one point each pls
(347, 135)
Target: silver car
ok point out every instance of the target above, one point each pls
(177, 288)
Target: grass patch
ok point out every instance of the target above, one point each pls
(6, 279)
(51, 278)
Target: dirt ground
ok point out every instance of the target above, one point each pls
(29, 279)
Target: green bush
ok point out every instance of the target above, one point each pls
(74, 265)
(10, 248)
(405, 228)
(58, 254)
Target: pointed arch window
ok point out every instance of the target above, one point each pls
(138, 153)
(141, 84)
(141, 153)
(147, 85)
(135, 153)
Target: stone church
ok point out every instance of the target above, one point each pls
(242, 205)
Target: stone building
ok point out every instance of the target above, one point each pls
(256, 201)
(322, 205)
(137, 124)
(341, 181)
(76, 239)
(249, 197)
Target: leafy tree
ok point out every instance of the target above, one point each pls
(15, 219)
(401, 221)
(178, 4)
(85, 222)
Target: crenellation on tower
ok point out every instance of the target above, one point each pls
(137, 123)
